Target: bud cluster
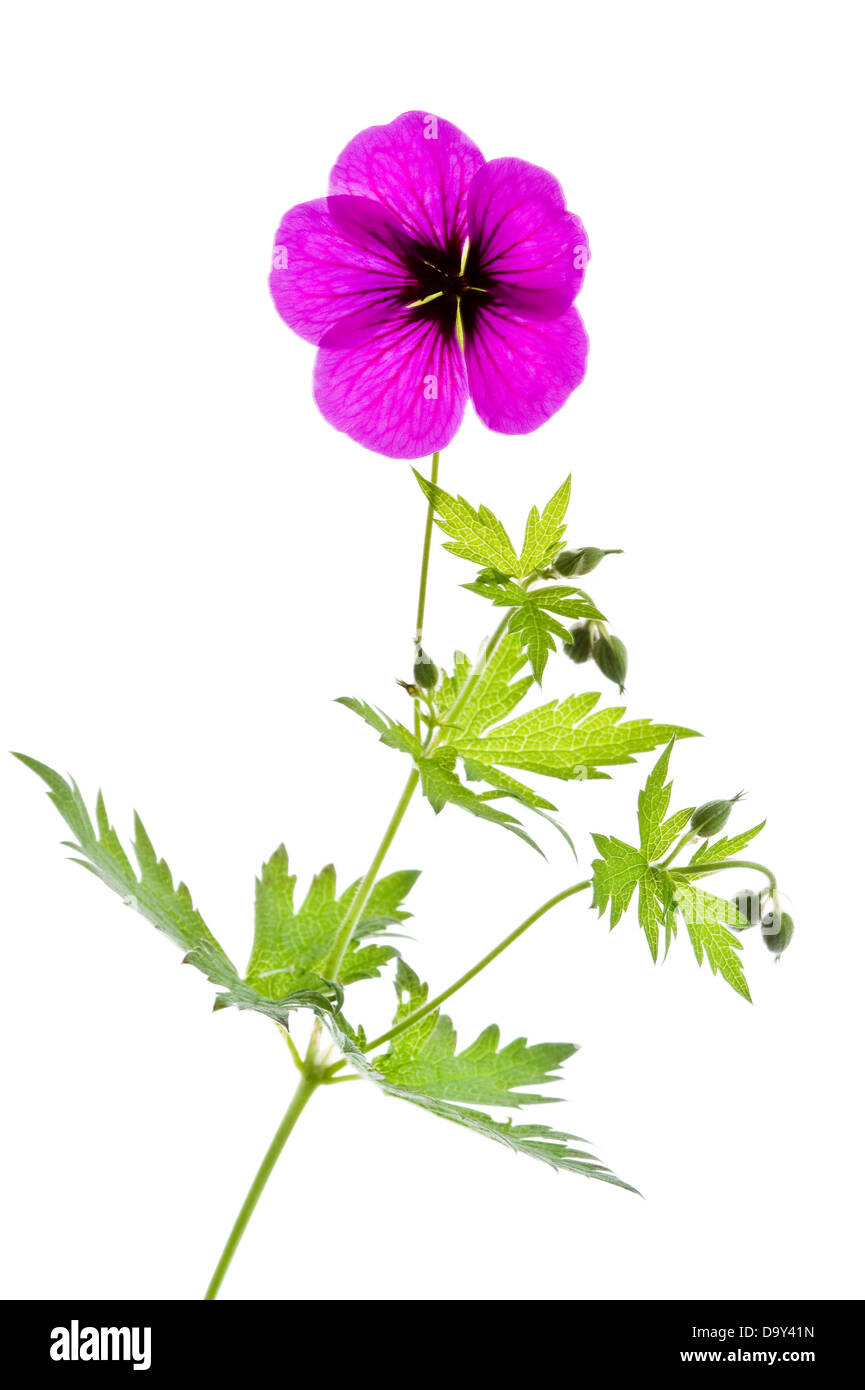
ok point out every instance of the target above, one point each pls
(760, 909)
(591, 639)
(777, 927)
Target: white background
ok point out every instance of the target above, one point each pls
(195, 565)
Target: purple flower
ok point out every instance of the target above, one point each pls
(429, 275)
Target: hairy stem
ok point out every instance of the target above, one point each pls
(424, 566)
(476, 969)
(424, 573)
(314, 1072)
(330, 968)
(711, 868)
(480, 666)
(677, 848)
(306, 1086)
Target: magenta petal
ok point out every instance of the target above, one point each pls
(521, 371)
(419, 166)
(401, 389)
(526, 241)
(332, 257)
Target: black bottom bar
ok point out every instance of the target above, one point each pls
(324, 1339)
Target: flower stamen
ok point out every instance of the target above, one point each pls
(416, 303)
(461, 337)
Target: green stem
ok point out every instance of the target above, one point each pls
(476, 969)
(313, 1073)
(710, 868)
(677, 848)
(460, 702)
(424, 572)
(330, 968)
(424, 567)
(307, 1084)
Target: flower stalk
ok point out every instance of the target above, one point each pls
(482, 964)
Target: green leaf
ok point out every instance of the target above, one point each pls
(393, 734)
(560, 739)
(551, 1146)
(453, 683)
(537, 630)
(545, 532)
(424, 1068)
(656, 834)
(477, 535)
(623, 869)
(289, 947)
(384, 905)
(151, 891)
(726, 847)
(494, 693)
(292, 944)
(504, 785)
(707, 918)
(616, 874)
(483, 1074)
(533, 619)
(425, 1059)
(565, 600)
(508, 786)
(441, 785)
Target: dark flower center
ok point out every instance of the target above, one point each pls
(447, 284)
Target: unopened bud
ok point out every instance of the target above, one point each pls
(583, 561)
(612, 658)
(712, 816)
(425, 671)
(580, 646)
(777, 936)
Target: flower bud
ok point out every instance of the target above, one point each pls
(425, 671)
(747, 904)
(583, 561)
(579, 648)
(612, 658)
(777, 937)
(712, 816)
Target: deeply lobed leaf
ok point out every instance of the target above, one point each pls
(562, 739)
(292, 944)
(289, 946)
(423, 1067)
(662, 892)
